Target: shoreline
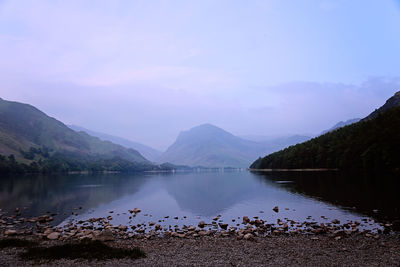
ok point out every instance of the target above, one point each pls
(297, 250)
(256, 242)
(248, 228)
(242, 227)
(292, 170)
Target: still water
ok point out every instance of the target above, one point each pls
(192, 197)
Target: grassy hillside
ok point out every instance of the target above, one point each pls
(33, 138)
(369, 144)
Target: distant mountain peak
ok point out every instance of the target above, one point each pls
(340, 125)
(210, 146)
(206, 127)
(148, 152)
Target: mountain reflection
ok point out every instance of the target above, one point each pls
(212, 193)
(232, 194)
(64, 194)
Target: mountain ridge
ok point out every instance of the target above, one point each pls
(393, 101)
(148, 152)
(341, 124)
(30, 136)
(210, 146)
(372, 143)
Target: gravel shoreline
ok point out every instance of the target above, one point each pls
(299, 250)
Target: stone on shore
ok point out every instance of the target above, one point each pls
(122, 227)
(248, 237)
(191, 228)
(105, 235)
(10, 232)
(53, 236)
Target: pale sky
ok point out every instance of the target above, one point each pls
(145, 70)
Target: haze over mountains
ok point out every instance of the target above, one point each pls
(148, 152)
(27, 133)
(372, 143)
(24, 126)
(210, 146)
(34, 138)
(341, 124)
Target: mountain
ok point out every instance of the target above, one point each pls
(30, 136)
(341, 124)
(148, 152)
(209, 146)
(372, 143)
(394, 101)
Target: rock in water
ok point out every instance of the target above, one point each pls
(276, 209)
(223, 225)
(135, 210)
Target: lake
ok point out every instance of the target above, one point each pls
(187, 198)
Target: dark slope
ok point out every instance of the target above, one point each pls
(372, 143)
(148, 152)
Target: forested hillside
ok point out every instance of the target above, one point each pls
(373, 143)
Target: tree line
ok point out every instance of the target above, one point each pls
(370, 144)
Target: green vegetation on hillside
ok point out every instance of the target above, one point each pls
(24, 128)
(73, 162)
(369, 144)
(31, 141)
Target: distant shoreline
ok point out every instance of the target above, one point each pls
(292, 170)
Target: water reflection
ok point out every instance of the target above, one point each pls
(211, 194)
(372, 194)
(192, 197)
(63, 194)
